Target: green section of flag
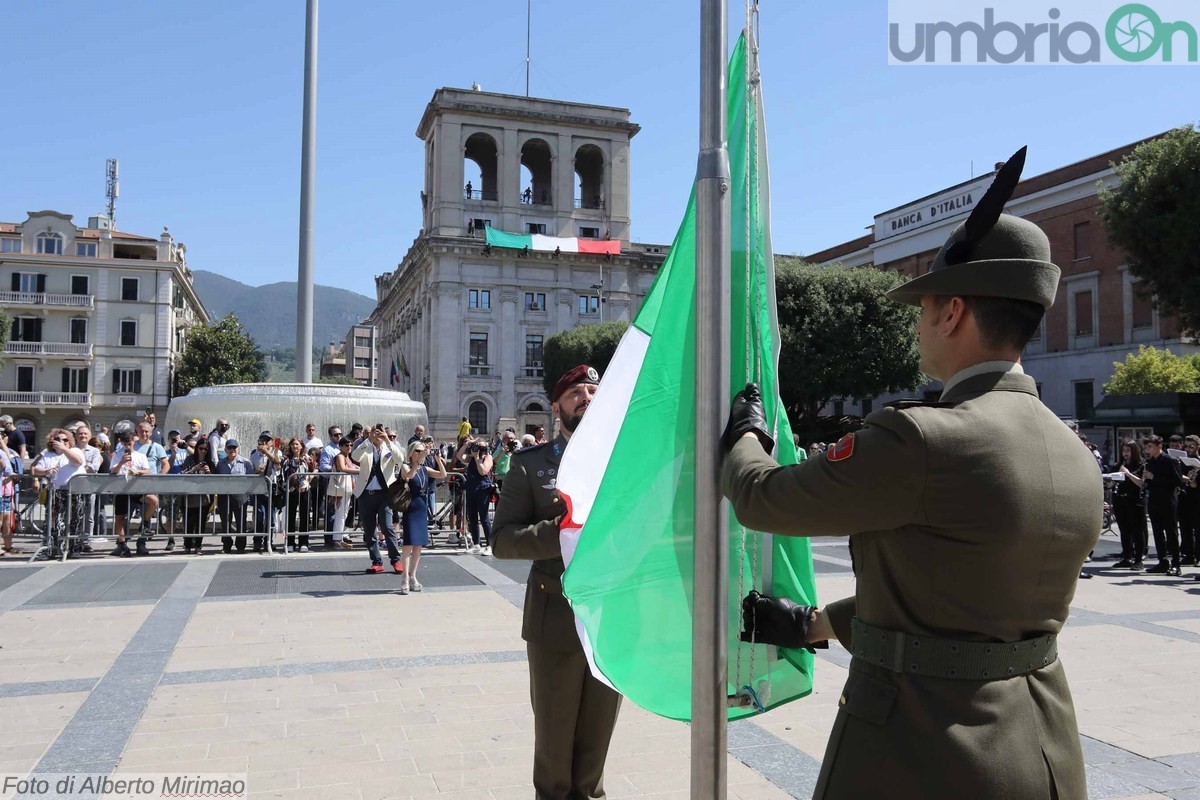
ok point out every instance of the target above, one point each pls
(630, 581)
(501, 239)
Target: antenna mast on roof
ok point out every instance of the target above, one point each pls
(112, 189)
(528, 38)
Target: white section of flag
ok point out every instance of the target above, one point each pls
(548, 243)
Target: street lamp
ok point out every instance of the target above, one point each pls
(599, 289)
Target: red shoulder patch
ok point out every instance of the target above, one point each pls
(842, 450)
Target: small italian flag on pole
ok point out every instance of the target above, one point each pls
(627, 475)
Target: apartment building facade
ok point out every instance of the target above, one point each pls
(97, 320)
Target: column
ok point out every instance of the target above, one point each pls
(509, 342)
(448, 357)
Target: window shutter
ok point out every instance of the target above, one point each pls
(137, 381)
(41, 284)
(66, 379)
(16, 282)
(37, 329)
(116, 381)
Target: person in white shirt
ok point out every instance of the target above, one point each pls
(60, 461)
(311, 439)
(91, 463)
(128, 462)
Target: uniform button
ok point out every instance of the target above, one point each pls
(842, 701)
(541, 586)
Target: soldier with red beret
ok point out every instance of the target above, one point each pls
(573, 713)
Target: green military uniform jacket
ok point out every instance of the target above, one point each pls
(968, 520)
(526, 526)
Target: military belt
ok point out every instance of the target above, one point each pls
(950, 658)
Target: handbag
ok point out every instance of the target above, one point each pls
(399, 495)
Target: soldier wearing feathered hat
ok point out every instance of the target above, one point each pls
(968, 520)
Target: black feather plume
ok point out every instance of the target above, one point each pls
(988, 209)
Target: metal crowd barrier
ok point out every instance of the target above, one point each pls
(188, 506)
(207, 505)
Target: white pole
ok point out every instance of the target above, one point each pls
(308, 180)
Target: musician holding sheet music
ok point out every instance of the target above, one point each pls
(1162, 478)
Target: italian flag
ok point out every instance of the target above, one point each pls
(536, 241)
(627, 475)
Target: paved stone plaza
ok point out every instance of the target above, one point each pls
(317, 681)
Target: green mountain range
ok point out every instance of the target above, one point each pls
(268, 313)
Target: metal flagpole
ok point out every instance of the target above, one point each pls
(308, 179)
(710, 625)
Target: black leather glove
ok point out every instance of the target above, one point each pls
(747, 415)
(777, 621)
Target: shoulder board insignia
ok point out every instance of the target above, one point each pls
(900, 405)
(841, 451)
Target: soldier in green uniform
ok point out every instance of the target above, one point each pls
(969, 520)
(573, 713)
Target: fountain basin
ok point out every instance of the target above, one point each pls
(285, 408)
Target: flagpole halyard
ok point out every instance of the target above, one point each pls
(710, 624)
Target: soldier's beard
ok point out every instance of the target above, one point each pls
(571, 422)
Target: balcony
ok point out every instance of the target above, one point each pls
(48, 349)
(44, 400)
(85, 302)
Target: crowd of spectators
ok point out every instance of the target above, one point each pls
(310, 487)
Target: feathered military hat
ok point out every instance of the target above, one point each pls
(992, 254)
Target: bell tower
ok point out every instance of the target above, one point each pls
(525, 165)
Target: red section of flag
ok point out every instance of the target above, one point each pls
(600, 246)
(842, 450)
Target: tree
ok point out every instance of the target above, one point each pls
(220, 352)
(1152, 216)
(1153, 370)
(345, 380)
(840, 337)
(593, 345)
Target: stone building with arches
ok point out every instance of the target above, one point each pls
(462, 324)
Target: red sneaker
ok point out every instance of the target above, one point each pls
(375, 568)
(398, 567)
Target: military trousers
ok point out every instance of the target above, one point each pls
(573, 719)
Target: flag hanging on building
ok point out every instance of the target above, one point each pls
(536, 241)
(628, 476)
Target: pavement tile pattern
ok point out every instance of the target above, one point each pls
(319, 681)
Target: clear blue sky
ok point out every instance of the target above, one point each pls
(201, 103)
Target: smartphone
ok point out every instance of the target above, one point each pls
(278, 443)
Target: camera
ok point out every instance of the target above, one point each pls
(478, 447)
(511, 445)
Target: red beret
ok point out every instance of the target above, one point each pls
(581, 374)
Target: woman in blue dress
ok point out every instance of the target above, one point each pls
(415, 522)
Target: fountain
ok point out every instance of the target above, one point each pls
(285, 408)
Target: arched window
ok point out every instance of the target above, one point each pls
(589, 176)
(480, 167)
(50, 243)
(536, 170)
(534, 407)
(477, 415)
